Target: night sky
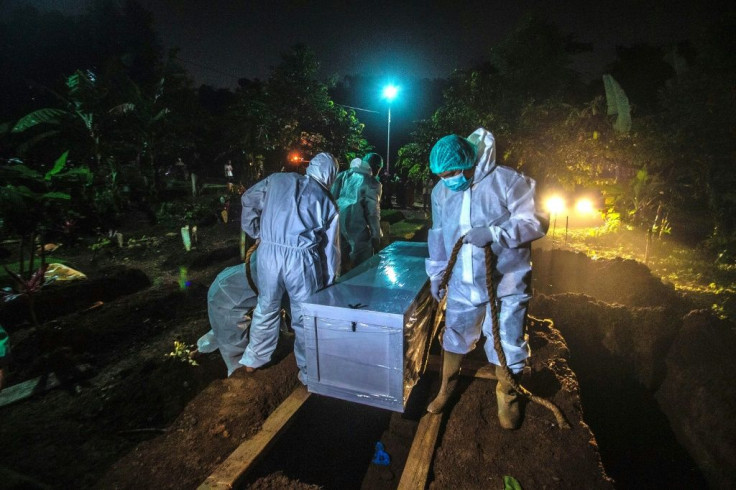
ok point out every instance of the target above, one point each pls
(223, 40)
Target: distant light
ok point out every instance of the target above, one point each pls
(584, 206)
(555, 205)
(390, 92)
(295, 157)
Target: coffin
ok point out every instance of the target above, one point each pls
(368, 335)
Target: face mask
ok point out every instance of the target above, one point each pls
(458, 182)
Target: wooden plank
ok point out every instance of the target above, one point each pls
(28, 388)
(469, 367)
(416, 469)
(232, 471)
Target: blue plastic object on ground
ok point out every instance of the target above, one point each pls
(381, 457)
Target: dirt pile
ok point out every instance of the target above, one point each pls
(474, 452)
(621, 281)
(654, 378)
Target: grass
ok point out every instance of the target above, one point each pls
(406, 229)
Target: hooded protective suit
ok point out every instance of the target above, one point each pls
(359, 199)
(296, 221)
(503, 200)
(342, 176)
(229, 299)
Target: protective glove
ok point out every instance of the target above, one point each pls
(434, 288)
(480, 236)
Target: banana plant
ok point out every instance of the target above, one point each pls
(145, 115)
(80, 111)
(29, 201)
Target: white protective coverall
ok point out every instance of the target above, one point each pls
(342, 176)
(359, 199)
(297, 223)
(504, 200)
(228, 300)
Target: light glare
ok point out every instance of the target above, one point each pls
(555, 205)
(390, 92)
(584, 206)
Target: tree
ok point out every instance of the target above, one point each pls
(530, 66)
(696, 128)
(293, 111)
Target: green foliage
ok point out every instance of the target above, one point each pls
(41, 116)
(618, 105)
(81, 120)
(510, 483)
(293, 111)
(183, 353)
(31, 202)
(29, 287)
(102, 242)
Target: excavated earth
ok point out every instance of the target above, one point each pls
(644, 382)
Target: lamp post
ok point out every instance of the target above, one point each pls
(389, 93)
(556, 205)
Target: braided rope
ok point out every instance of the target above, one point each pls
(496, 330)
(248, 275)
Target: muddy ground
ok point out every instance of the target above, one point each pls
(128, 415)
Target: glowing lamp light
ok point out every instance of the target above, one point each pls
(555, 205)
(584, 206)
(295, 157)
(390, 92)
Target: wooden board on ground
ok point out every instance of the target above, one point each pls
(232, 471)
(416, 469)
(28, 388)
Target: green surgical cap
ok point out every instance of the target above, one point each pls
(452, 152)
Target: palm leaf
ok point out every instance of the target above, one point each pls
(41, 116)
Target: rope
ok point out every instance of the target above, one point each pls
(248, 275)
(496, 330)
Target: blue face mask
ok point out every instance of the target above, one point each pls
(457, 182)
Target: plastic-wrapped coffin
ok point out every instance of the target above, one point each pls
(368, 336)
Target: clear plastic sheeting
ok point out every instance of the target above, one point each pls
(229, 303)
(367, 336)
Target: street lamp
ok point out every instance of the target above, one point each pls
(389, 93)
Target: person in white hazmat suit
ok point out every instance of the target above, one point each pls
(342, 176)
(229, 301)
(487, 204)
(358, 198)
(296, 223)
